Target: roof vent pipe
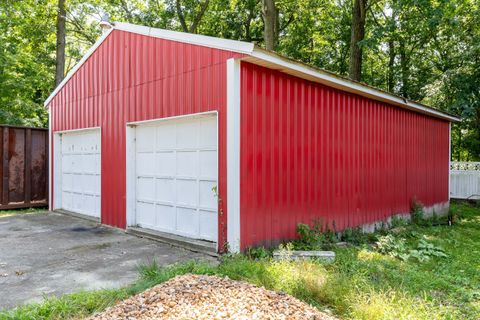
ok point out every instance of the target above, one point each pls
(105, 23)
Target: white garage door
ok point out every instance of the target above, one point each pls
(80, 172)
(176, 176)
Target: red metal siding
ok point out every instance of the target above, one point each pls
(310, 152)
(132, 77)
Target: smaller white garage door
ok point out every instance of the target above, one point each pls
(80, 172)
(176, 176)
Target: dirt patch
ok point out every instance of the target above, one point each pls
(209, 297)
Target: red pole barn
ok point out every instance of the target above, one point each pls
(222, 142)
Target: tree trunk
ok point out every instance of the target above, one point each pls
(405, 70)
(391, 65)
(357, 35)
(197, 17)
(60, 64)
(270, 21)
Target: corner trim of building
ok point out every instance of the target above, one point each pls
(233, 155)
(130, 171)
(50, 163)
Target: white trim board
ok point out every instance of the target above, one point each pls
(196, 39)
(265, 58)
(155, 121)
(50, 163)
(233, 155)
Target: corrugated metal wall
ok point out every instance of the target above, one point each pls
(23, 167)
(132, 78)
(310, 152)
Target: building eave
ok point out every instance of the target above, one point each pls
(264, 58)
(274, 61)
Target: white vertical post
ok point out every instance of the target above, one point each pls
(233, 154)
(57, 171)
(130, 175)
(50, 157)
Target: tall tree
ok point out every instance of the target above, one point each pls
(270, 21)
(61, 40)
(196, 13)
(357, 35)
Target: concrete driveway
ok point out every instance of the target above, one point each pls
(54, 254)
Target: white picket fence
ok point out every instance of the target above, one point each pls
(465, 180)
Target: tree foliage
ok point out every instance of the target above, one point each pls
(425, 50)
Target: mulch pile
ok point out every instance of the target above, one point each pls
(209, 297)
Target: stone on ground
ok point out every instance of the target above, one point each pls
(210, 297)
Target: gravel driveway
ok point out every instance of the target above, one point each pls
(55, 254)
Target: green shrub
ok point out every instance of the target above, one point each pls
(398, 222)
(392, 246)
(354, 236)
(313, 238)
(417, 213)
(397, 247)
(258, 253)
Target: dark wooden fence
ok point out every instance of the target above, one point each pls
(23, 167)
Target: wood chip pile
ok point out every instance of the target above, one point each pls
(209, 297)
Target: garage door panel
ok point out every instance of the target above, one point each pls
(184, 171)
(80, 172)
(208, 225)
(207, 196)
(187, 163)
(90, 184)
(208, 163)
(90, 144)
(145, 139)
(165, 137)
(166, 217)
(167, 160)
(187, 135)
(77, 183)
(186, 192)
(187, 221)
(67, 182)
(165, 191)
(146, 189)
(67, 200)
(146, 214)
(208, 133)
(90, 163)
(145, 161)
(78, 202)
(90, 203)
(66, 163)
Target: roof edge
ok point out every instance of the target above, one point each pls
(195, 39)
(274, 61)
(191, 38)
(265, 58)
(77, 66)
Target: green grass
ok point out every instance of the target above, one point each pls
(22, 211)
(361, 284)
(77, 305)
